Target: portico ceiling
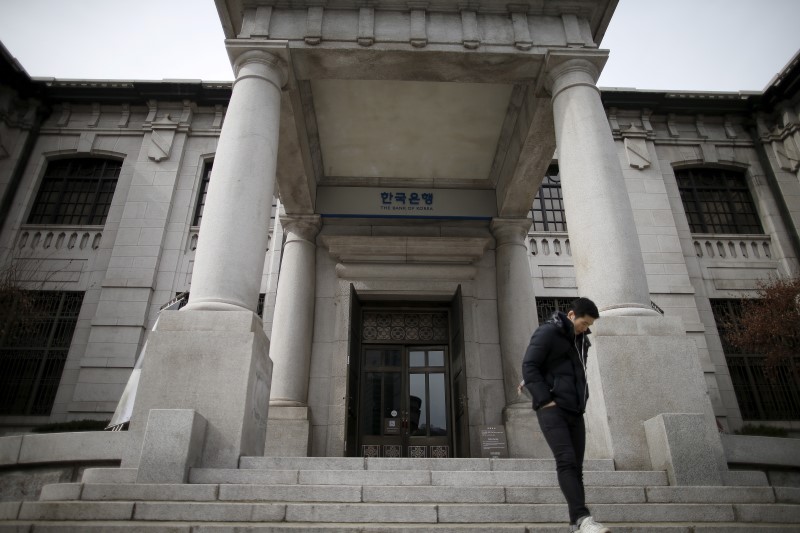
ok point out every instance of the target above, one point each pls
(432, 131)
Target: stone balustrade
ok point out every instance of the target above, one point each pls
(70, 240)
(733, 247)
(549, 244)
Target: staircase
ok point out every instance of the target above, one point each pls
(349, 495)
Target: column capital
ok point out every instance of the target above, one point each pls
(304, 227)
(565, 72)
(510, 230)
(247, 56)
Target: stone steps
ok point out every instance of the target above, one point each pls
(276, 527)
(406, 494)
(396, 513)
(371, 495)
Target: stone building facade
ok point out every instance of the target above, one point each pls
(443, 178)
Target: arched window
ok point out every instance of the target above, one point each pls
(548, 206)
(76, 191)
(717, 201)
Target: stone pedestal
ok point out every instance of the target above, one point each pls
(640, 368)
(524, 436)
(216, 364)
(290, 428)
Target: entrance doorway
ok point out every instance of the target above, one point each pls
(406, 385)
(405, 409)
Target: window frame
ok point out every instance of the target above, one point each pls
(548, 223)
(700, 219)
(55, 203)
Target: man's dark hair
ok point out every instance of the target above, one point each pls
(584, 306)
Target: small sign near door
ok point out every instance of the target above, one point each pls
(493, 442)
(391, 426)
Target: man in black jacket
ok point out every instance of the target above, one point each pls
(554, 372)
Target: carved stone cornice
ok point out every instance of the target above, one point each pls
(401, 249)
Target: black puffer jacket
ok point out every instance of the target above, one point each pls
(552, 369)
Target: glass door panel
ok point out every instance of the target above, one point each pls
(405, 402)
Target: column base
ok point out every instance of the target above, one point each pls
(639, 368)
(216, 364)
(525, 439)
(289, 430)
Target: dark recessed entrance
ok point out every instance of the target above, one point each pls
(406, 382)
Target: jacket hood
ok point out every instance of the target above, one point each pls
(562, 321)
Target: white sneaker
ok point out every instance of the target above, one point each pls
(588, 525)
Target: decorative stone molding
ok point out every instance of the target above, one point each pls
(787, 154)
(187, 113)
(66, 112)
(125, 116)
(161, 139)
(572, 71)
(219, 114)
(648, 127)
(361, 249)
(572, 30)
(701, 127)
(469, 30)
(730, 132)
(634, 139)
(366, 26)
(86, 142)
(271, 55)
(303, 227)
(709, 151)
(510, 230)
(152, 109)
(672, 127)
(418, 29)
(255, 22)
(612, 120)
(522, 32)
(314, 25)
(94, 119)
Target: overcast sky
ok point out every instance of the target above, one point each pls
(702, 45)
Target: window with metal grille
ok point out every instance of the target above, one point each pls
(717, 201)
(545, 307)
(548, 206)
(76, 191)
(201, 197)
(759, 397)
(34, 343)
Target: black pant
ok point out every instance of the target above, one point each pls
(566, 436)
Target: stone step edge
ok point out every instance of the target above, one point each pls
(128, 511)
(645, 494)
(374, 527)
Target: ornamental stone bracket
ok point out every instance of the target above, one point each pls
(3, 149)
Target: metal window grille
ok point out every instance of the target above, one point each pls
(201, 197)
(33, 350)
(545, 307)
(548, 206)
(759, 398)
(76, 191)
(717, 201)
